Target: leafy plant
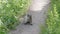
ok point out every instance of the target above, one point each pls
(53, 20)
(10, 11)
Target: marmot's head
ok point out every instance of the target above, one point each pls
(28, 15)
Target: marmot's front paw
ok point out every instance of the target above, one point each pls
(28, 24)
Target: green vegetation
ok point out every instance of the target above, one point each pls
(53, 20)
(10, 11)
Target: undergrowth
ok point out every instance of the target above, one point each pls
(53, 18)
(10, 11)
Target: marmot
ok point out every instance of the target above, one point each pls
(28, 20)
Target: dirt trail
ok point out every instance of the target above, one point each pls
(38, 11)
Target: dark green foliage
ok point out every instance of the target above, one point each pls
(9, 21)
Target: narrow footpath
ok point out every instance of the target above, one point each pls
(37, 6)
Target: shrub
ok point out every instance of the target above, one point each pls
(53, 20)
(10, 11)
